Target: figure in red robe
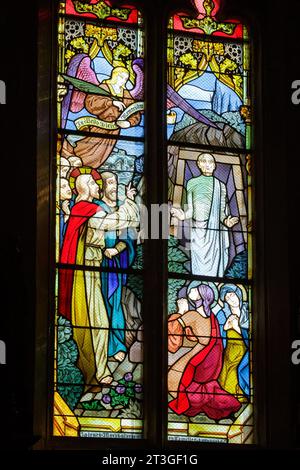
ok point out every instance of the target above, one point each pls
(193, 378)
(80, 298)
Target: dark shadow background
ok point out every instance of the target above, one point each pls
(18, 36)
(18, 30)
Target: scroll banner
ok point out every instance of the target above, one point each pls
(111, 126)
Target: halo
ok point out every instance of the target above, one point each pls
(84, 170)
(243, 289)
(212, 285)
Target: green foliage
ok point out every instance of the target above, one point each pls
(67, 354)
(135, 284)
(69, 377)
(122, 399)
(176, 257)
(128, 393)
(139, 258)
(70, 385)
(176, 263)
(64, 330)
(117, 399)
(239, 267)
(130, 390)
(92, 405)
(174, 286)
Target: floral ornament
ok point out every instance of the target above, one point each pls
(124, 392)
(189, 59)
(102, 10)
(206, 20)
(80, 44)
(101, 34)
(68, 55)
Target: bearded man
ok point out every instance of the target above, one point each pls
(80, 296)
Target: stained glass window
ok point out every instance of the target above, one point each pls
(99, 165)
(100, 189)
(210, 248)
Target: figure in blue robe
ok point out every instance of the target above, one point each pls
(234, 329)
(113, 282)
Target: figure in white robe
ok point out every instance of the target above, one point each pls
(209, 214)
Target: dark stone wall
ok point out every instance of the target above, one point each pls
(18, 30)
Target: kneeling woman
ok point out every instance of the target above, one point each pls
(193, 379)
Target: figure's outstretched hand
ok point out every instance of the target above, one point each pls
(111, 252)
(119, 104)
(231, 221)
(123, 124)
(177, 213)
(130, 192)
